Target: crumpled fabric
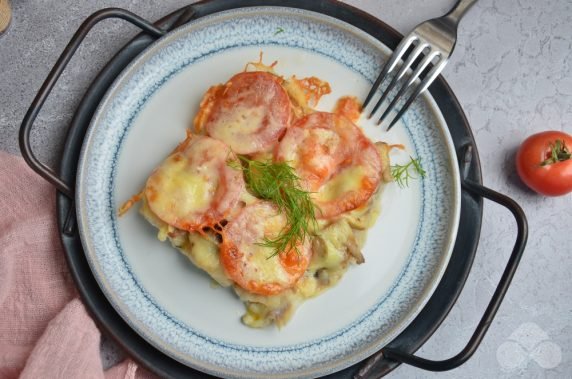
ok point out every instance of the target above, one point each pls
(45, 331)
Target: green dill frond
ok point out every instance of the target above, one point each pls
(278, 183)
(411, 170)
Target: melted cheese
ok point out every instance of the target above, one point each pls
(239, 120)
(186, 190)
(347, 180)
(262, 268)
(192, 182)
(204, 254)
(298, 97)
(202, 251)
(330, 247)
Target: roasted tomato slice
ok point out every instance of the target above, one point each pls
(334, 160)
(194, 187)
(250, 113)
(249, 264)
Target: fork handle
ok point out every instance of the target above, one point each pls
(459, 10)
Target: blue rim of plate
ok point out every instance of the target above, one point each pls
(160, 62)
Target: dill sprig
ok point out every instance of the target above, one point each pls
(411, 170)
(278, 183)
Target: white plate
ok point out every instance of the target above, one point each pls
(172, 304)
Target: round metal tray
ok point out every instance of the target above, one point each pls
(424, 325)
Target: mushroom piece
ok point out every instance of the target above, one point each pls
(354, 250)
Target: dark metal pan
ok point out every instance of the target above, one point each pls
(401, 349)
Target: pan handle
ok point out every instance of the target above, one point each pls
(496, 300)
(26, 127)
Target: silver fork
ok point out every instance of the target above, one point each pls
(435, 39)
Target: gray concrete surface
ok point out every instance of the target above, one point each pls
(512, 74)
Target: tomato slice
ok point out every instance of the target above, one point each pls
(315, 153)
(248, 264)
(250, 114)
(194, 187)
(334, 160)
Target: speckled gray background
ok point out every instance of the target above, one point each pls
(512, 74)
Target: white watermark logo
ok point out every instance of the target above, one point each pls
(528, 342)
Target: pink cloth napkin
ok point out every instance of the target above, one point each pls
(45, 331)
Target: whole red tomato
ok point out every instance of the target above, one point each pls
(544, 163)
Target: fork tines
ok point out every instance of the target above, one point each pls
(418, 56)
